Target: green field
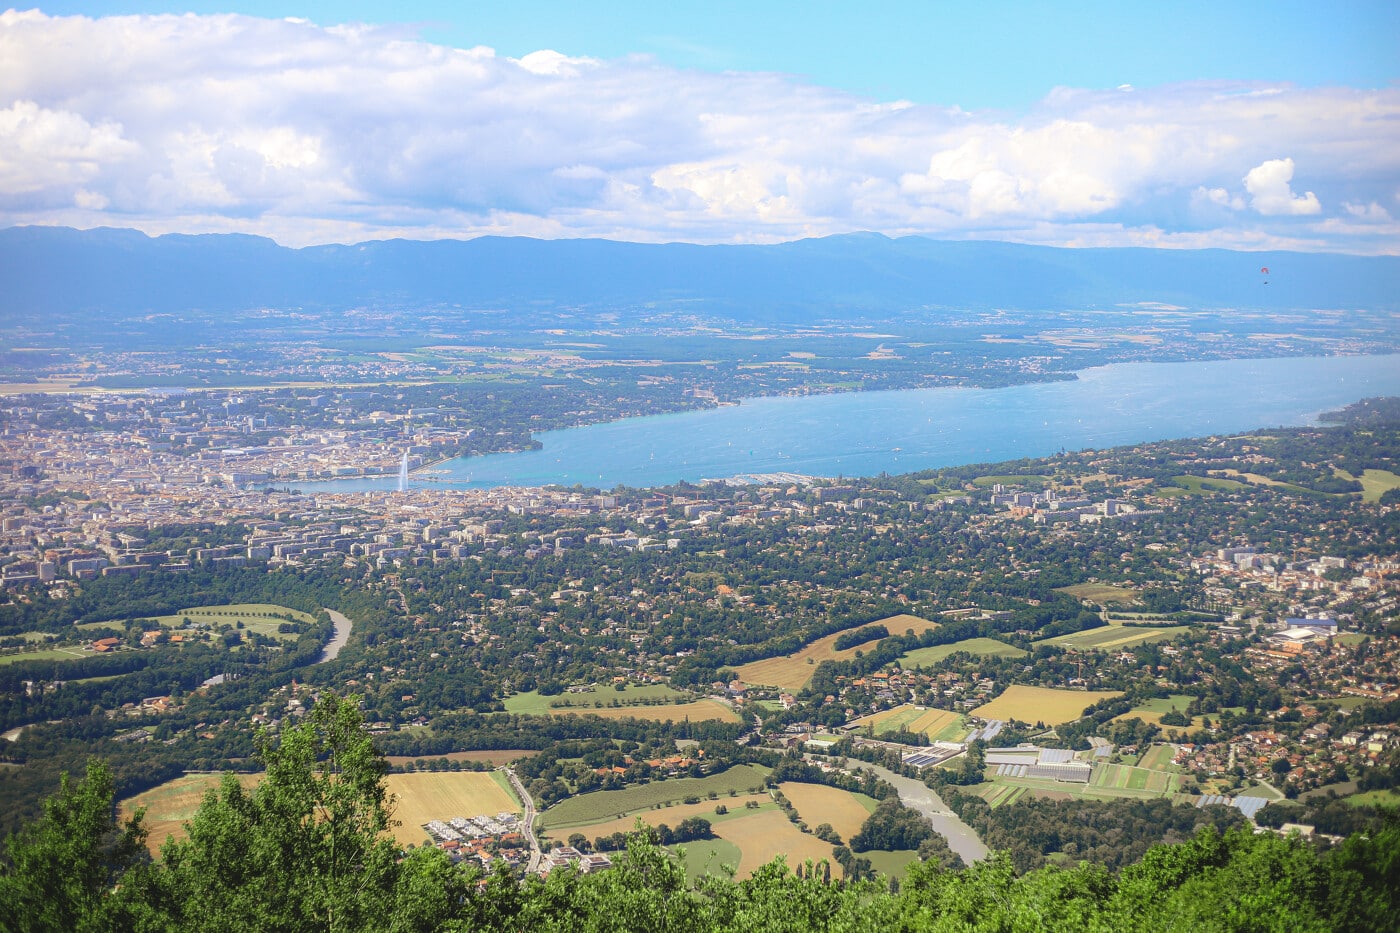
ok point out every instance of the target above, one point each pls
(1151, 711)
(256, 617)
(986, 647)
(45, 654)
(531, 703)
(1389, 798)
(1200, 486)
(713, 857)
(1028, 480)
(1128, 778)
(1376, 483)
(603, 805)
(1110, 636)
(1100, 592)
(940, 725)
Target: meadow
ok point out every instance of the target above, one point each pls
(170, 805)
(1042, 704)
(1100, 592)
(792, 671)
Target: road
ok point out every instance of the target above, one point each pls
(338, 638)
(914, 794)
(528, 821)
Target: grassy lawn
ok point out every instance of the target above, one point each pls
(1100, 592)
(599, 806)
(1042, 704)
(986, 647)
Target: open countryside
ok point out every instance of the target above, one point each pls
(792, 671)
(1041, 704)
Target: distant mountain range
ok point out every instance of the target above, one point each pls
(71, 274)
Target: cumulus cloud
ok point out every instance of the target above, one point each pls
(310, 134)
(1271, 194)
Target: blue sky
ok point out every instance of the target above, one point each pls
(1250, 126)
(973, 55)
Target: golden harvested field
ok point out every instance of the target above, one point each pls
(441, 795)
(1042, 704)
(495, 756)
(172, 804)
(668, 815)
(791, 672)
(912, 718)
(817, 804)
(695, 711)
(767, 834)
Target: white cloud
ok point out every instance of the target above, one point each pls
(1271, 194)
(310, 134)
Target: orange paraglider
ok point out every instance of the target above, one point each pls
(1265, 271)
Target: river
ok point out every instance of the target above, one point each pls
(866, 433)
(339, 637)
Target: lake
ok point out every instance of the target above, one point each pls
(866, 433)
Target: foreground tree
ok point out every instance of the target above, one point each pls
(61, 870)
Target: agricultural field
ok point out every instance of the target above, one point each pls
(1100, 593)
(1109, 637)
(763, 836)
(986, 647)
(941, 725)
(1158, 758)
(172, 804)
(439, 795)
(997, 793)
(1042, 704)
(1124, 780)
(818, 803)
(1151, 711)
(495, 756)
(791, 672)
(671, 815)
(602, 805)
(531, 703)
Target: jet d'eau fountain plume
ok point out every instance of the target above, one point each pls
(403, 472)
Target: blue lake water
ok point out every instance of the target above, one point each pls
(865, 433)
